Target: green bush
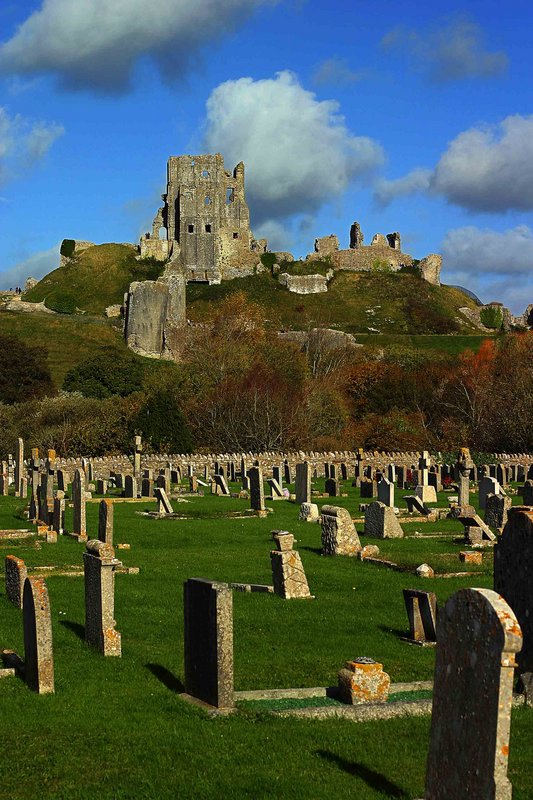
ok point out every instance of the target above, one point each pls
(62, 302)
(268, 260)
(491, 317)
(147, 269)
(67, 247)
(105, 375)
(24, 373)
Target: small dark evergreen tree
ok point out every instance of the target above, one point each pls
(24, 373)
(162, 424)
(104, 375)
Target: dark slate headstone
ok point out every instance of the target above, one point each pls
(208, 609)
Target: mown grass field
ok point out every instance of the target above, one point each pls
(116, 728)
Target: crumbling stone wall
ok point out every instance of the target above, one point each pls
(304, 284)
(204, 220)
(155, 316)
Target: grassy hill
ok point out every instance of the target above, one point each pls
(93, 280)
(358, 303)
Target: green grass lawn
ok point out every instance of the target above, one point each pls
(115, 728)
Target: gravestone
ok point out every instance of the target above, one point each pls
(58, 518)
(464, 466)
(339, 537)
(208, 640)
(287, 472)
(527, 493)
(130, 486)
(474, 521)
(332, 487)
(303, 482)
(4, 479)
(426, 493)
(101, 486)
(275, 489)
(222, 485)
(16, 574)
(147, 487)
(78, 500)
(496, 509)
(513, 575)
(288, 575)
(421, 610)
(38, 652)
(257, 492)
(277, 475)
(19, 467)
(478, 637)
(99, 564)
(308, 512)
(366, 488)
(105, 522)
(193, 483)
(163, 481)
(486, 486)
(137, 450)
(386, 492)
(163, 503)
(381, 522)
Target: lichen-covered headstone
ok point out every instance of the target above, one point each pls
(363, 681)
(421, 610)
(38, 651)
(78, 501)
(105, 521)
(257, 492)
(303, 482)
(16, 574)
(339, 537)
(477, 639)
(381, 522)
(99, 564)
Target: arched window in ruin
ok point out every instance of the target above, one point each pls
(163, 233)
(229, 195)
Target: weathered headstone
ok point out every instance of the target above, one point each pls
(275, 489)
(332, 487)
(222, 485)
(477, 638)
(163, 503)
(363, 681)
(464, 466)
(527, 493)
(486, 486)
(386, 492)
(58, 522)
(381, 522)
(208, 639)
(147, 487)
(308, 512)
(130, 486)
(288, 574)
(16, 574)
(99, 564)
(137, 450)
(339, 537)
(421, 610)
(496, 509)
(38, 652)
(513, 575)
(19, 466)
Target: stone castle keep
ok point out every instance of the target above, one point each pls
(204, 221)
(202, 233)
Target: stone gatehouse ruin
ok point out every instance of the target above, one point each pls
(204, 221)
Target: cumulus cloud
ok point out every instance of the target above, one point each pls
(487, 168)
(335, 71)
(298, 152)
(496, 265)
(454, 51)
(418, 180)
(490, 167)
(36, 266)
(23, 142)
(95, 44)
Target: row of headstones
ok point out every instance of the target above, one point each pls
(471, 706)
(31, 595)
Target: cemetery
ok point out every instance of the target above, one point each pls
(266, 625)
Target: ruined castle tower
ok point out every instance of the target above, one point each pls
(205, 221)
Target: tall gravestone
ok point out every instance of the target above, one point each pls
(464, 466)
(105, 521)
(38, 652)
(257, 492)
(477, 638)
(16, 574)
(303, 482)
(513, 575)
(208, 639)
(99, 564)
(19, 467)
(339, 537)
(421, 610)
(79, 525)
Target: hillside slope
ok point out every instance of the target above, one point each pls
(93, 280)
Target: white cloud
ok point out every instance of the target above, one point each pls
(487, 168)
(335, 71)
(36, 266)
(23, 142)
(495, 265)
(95, 44)
(298, 152)
(453, 51)
(418, 180)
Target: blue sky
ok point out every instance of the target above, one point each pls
(401, 115)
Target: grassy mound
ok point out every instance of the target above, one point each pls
(93, 280)
(364, 303)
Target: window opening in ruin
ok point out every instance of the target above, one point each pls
(190, 228)
(229, 195)
(205, 174)
(208, 228)
(163, 233)
(207, 201)
(235, 235)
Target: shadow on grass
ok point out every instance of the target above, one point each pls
(75, 627)
(317, 550)
(394, 631)
(166, 677)
(369, 776)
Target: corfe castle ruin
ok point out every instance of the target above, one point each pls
(202, 232)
